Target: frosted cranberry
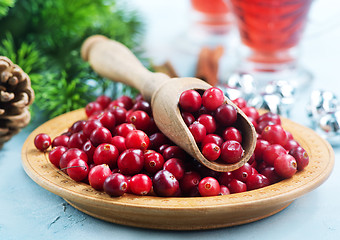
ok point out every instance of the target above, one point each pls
(270, 173)
(127, 101)
(189, 182)
(175, 166)
(131, 161)
(89, 149)
(77, 169)
(198, 131)
(165, 184)
(124, 129)
(256, 181)
(226, 115)
(119, 113)
(243, 172)
(231, 151)
(237, 186)
(225, 178)
(153, 161)
(103, 100)
(301, 157)
(240, 102)
(269, 116)
(212, 98)
(140, 184)
(90, 126)
(77, 140)
(291, 143)
(140, 119)
(42, 141)
(274, 134)
(108, 120)
(97, 176)
(157, 139)
(251, 112)
(209, 186)
(137, 139)
(190, 101)
(55, 154)
(272, 152)
(119, 143)
(77, 126)
(261, 145)
(115, 185)
(174, 152)
(188, 118)
(142, 105)
(224, 190)
(92, 108)
(262, 125)
(285, 165)
(106, 154)
(232, 133)
(211, 151)
(209, 123)
(100, 135)
(70, 154)
(61, 140)
(212, 138)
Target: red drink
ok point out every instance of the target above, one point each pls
(271, 27)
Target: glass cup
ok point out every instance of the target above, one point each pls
(270, 31)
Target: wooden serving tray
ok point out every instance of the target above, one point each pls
(181, 213)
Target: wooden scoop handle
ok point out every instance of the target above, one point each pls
(115, 61)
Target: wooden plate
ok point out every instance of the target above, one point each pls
(179, 213)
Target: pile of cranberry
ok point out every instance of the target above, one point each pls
(118, 149)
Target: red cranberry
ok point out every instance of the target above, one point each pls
(104, 101)
(188, 118)
(116, 103)
(92, 108)
(175, 166)
(240, 102)
(211, 151)
(291, 143)
(212, 138)
(157, 139)
(108, 120)
(98, 175)
(137, 139)
(70, 154)
(251, 112)
(226, 115)
(140, 119)
(231, 151)
(262, 125)
(140, 184)
(119, 143)
(272, 152)
(89, 149)
(131, 161)
(270, 173)
(119, 113)
(100, 135)
(269, 116)
(115, 185)
(225, 178)
(61, 140)
(153, 162)
(198, 131)
(55, 154)
(301, 157)
(124, 128)
(256, 181)
(42, 141)
(274, 134)
(90, 126)
(106, 154)
(127, 101)
(212, 98)
(77, 126)
(243, 173)
(224, 190)
(162, 148)
(77, 169)
(77, 140)
(189, 182)
(209, 123)
(232, 133)
(261, 145)
(190, 101)
(142, 105)
(237, 186)
(285, 165)
(165, 184)
(209, 186)
(174, 152)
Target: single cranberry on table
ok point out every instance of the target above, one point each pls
(115, 185)
(42, 141)
(77, 169)
(209, 186)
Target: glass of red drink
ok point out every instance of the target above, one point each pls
(270, 31)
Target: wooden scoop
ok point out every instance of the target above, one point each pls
(113, 60)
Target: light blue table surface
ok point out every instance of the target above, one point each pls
(28, 211)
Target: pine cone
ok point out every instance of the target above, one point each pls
(16, 95)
